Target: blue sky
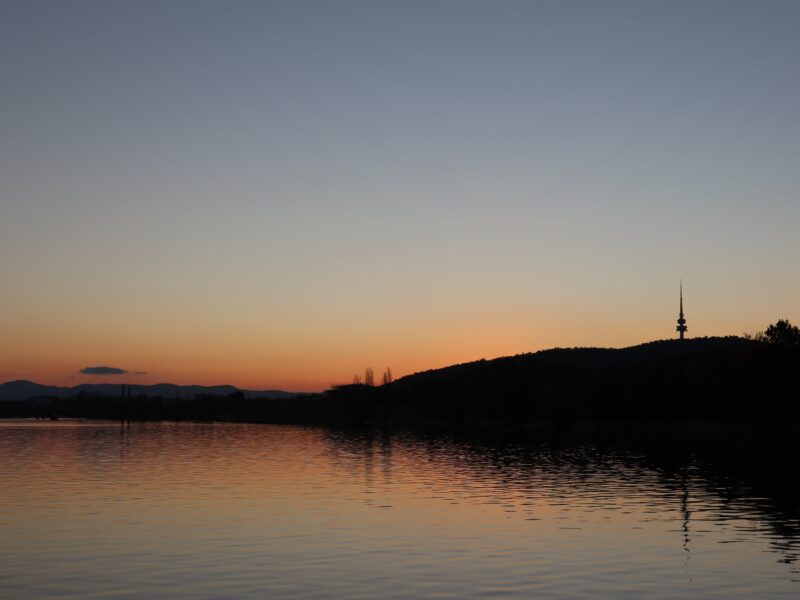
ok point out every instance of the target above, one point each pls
(266, 189)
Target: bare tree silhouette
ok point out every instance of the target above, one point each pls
(369, 376)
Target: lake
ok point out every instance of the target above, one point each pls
(95, 509)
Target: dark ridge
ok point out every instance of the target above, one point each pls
(588, 357)
(712, 379)
(723, 379)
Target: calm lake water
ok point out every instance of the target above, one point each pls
(91, 509)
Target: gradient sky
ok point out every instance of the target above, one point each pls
(279, 194)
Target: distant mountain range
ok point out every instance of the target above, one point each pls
(25, 390)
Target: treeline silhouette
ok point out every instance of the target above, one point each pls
(235, 406)
(715, 379)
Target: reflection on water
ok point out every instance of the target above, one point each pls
(230, 510)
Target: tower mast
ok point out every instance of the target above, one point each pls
(681, 328)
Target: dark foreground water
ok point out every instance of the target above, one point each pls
(227, 510)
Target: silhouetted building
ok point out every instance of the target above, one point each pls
(681, 328)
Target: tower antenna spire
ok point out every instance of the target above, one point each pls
(681, 328)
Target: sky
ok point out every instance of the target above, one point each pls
(280, 194)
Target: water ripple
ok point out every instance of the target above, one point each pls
(227, 510)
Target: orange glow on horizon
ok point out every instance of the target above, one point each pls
(296, 359)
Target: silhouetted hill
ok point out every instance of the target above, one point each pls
(707, 379)
(588, 358)
(25, 390)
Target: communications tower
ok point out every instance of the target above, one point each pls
(681, 328)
